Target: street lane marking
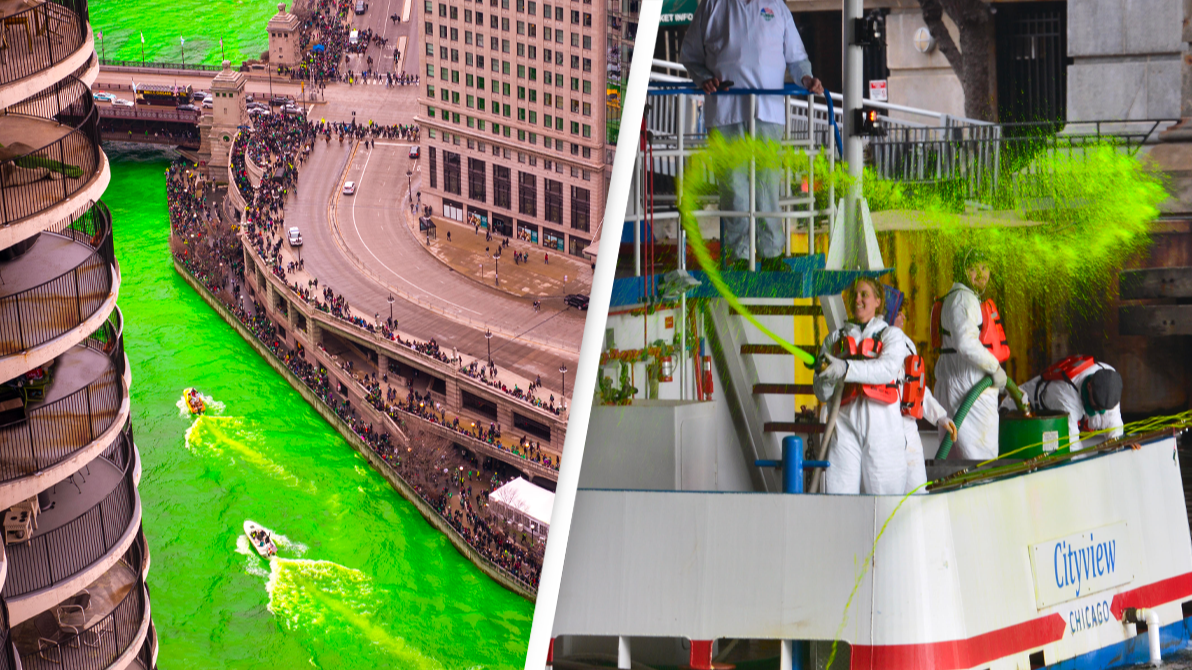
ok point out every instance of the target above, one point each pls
(405, 12)
(383, 264)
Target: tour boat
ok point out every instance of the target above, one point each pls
(260, 538)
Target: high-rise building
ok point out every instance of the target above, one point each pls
(74, 557)
(513, 117)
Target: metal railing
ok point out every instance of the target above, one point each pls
(99, 645)
(53, 30)
(8, 654)
(73, 159)
(145, 655)
(970, 153)
(55, 556)
(151, 65)
(44, 312)
(52, 432)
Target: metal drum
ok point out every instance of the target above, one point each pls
(1040, 433)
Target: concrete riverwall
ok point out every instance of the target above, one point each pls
(363, 449)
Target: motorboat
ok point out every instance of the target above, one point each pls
(260, 538)
(194, 401)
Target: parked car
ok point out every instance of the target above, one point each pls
(258, 112)
(187, 108)
(415, 152)
(349, 187)
(248, 98)
(279, 100)
(103, 96)
(577, 300)
(208, 102)
(122, 102)
(295, 237)
(361, 7)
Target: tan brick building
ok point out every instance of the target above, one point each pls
(513, 117)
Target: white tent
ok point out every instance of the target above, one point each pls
(525, 504)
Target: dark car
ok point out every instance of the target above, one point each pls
(577, 300)
(279, 100)
(415, 152)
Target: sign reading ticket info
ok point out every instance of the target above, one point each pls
(1074, 566)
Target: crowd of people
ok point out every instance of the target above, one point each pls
(488, 375)
(323, 39)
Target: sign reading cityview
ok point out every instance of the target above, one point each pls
(1077, 565)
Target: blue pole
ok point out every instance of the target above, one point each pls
(792, 464)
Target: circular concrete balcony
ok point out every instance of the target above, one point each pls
(51, 165)
(58, 286)
(64, 416)
(102, 626)
(46, 42)
(86, 523)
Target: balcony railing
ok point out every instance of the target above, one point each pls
(51, 432)
(68, 162)
(39, 314)
(8, 656)
(98, 645)
(198, 67)
(43, 36)
(55, 556)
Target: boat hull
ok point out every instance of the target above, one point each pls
(976, 577)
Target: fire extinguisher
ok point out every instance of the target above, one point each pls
(707, 381)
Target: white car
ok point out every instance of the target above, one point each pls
(103, 96)
(123, 102)
(349, 187)
(208, 102)
(295, 237)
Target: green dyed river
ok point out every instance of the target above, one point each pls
(361, 580)
(164, 23)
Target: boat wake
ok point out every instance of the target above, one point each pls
(227, 435)
(321, 597)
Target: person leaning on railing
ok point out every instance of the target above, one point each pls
(753, 44)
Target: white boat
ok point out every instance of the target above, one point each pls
(260, 538)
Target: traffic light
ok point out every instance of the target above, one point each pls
(868, 31)
(866, 123)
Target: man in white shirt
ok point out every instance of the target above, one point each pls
(753, 44)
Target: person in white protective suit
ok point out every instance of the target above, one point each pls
(917, 402)
(868, 448)
(972, 345)
(1089, 392)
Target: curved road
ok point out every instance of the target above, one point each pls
(372, 227)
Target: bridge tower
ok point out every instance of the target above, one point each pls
(283, 38)
(228, 115)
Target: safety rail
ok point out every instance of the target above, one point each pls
(97, 646)
(44, 312)
(51, 433)
(74, 158)
(66, 551)
(53, 31)
(666, 152)
(152, 65)
(149, 648)
(8, 655)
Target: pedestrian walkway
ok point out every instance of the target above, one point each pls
(470, 253)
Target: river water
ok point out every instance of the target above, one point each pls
(361, 581)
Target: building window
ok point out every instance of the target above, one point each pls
(587, 41)
(587, 109)
(442, 32)
(587, 65)
(451, 183)
(587, 86)
(476, 189)
(454, 13)
(455, 34)
(587, 130)
(521, 71)
(501, 184)
(521, 27)
(505, 24)
(434, 168)
(533, 8)
(581, 208)
(577, 246)
(455, 55)
(430, 91)
(587, 20)
(554, 200)
(430, 50)
(575, 62)
(558, 13)
(527, 186)
(430, 28)
(574, 16)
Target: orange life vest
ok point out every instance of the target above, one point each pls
(992, 334)
(912, 387)
(848, 348)
(1065, 371)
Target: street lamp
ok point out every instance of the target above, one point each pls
(563, 394)
(497, 269)
(390, 300)
(488, 336)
